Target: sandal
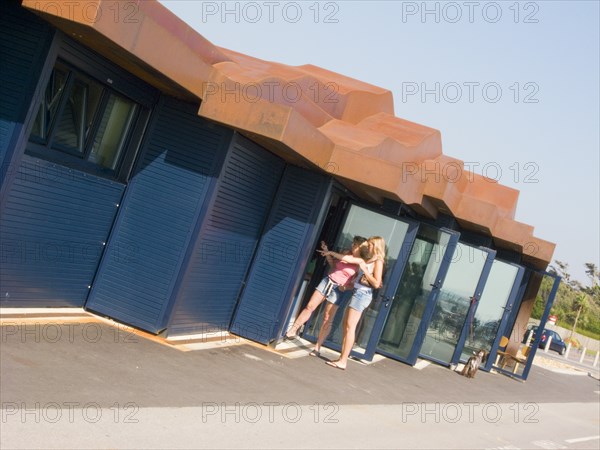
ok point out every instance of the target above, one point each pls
(315, 353)
(333, 364)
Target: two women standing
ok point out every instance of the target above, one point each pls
(331, 287)
(361, 269)
(368, 279)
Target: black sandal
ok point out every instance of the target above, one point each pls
(315, 353)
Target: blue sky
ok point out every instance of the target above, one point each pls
(513, 87)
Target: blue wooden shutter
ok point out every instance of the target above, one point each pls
(287, 242)
(161, 207)
(228, 239)
(54, 223)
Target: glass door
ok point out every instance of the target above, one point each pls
(399, 235)
(456, 303)
(500, 290)
(410, 304)
(515, 355)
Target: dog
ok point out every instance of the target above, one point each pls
(473, 364)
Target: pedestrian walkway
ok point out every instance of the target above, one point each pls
(89, 368)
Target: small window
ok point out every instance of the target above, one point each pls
(112, 132)
(77, 118)
(83, 123)
(49, 106)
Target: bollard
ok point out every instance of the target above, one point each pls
(582, 357)
(529, 336)
(596, 359)
(568, 350)
(548, 344)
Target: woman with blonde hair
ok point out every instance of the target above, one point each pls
(340, 279)
(368, 279)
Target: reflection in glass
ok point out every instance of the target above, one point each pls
(78, 115)
(49, 105)
(483, 328)
(411, 296)
(454, 300)
(110, 138)
(516, 356)
(85, 119)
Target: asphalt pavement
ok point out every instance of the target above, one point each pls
(57, 371)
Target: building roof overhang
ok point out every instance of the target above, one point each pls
(307, 115)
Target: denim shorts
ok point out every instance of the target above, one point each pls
(361, 299)
(329, 289)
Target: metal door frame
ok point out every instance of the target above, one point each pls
(388, 292)
(431, 300)
(487, 268)
(542, 324)
(485, 271)
(395, 276)
(516, 292)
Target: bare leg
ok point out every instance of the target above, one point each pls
(351, 320)
(328, 315)
(315, 300)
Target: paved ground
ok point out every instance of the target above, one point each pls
(57, 372)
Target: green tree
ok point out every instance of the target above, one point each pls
(592, 271)
(562, 270)
(568, 305)
(594, 290)
(581, 306)
(575, 306)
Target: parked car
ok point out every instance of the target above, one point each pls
(557, 344)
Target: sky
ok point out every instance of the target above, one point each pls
(512, 86)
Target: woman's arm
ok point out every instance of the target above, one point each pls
(330, 260)
(375, 278)
(325, 252)
(346, 258)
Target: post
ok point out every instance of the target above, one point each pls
(528, 341)
(568, 350)
(582, 357)
(548, 344)
(596, 359)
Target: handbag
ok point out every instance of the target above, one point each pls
(363, 280)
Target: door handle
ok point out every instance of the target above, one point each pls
(437, 284)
